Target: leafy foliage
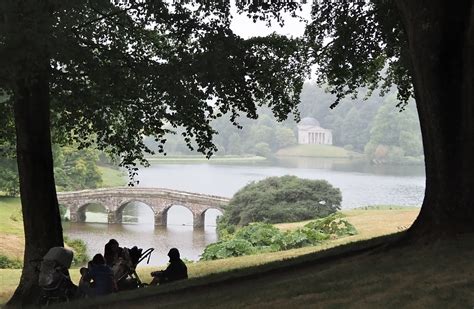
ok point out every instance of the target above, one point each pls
(121, 70)
(229, 248)
(74, 170)
(62, 212)
(263, 237)
(394, 135)
(258, 234)
(80, 251)
(366, 37)
(6, 262)
(281, 199)
(231, 140)
(9, 182)
(333, 225)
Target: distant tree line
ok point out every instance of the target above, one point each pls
(374, 126)
(74, 169)
(262, 136)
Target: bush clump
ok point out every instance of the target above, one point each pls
(263, 237)
(280, 199)
(228, 248)
(334, 225)
(6, 262)
(80, 251)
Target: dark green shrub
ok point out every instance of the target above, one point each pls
(80, 251)
(280, 199)
(264, 237)
(228, 248)
(62, 212)
(296, 239)
(258, 234)
(334, 225)
(6, 262)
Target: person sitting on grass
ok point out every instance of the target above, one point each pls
(101, 275)
(112, 252)
(176, 270)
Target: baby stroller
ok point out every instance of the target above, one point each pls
(54, 277)
(125, 270)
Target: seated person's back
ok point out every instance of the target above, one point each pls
(176, 270)
(102, 276)
(111, 252)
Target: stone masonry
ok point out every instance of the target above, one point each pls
(158, 199)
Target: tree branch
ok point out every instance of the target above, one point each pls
(108, 16)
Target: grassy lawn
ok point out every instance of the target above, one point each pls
(11, 232)
(370, 223)
(317, 151)
(112, 177)
(364, 274)
(11, 225)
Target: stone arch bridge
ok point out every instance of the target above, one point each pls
(159, 200)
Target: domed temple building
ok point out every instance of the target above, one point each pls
(310, 132)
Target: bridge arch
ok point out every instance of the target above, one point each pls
(206, 215)
(126, 203)
(160, 200)
(78, 213)
(161, 219)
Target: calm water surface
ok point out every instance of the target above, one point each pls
(361, 184)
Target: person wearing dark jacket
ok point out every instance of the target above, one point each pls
(111, 252)
(98, 279)
(176, 270)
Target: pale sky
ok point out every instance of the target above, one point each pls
(245, 27)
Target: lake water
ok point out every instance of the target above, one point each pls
(361, 184)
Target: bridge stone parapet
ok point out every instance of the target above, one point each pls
(158, 199)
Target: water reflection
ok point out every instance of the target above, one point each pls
(180, 234)
(351, 166)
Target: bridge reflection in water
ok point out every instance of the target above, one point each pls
(160, 200)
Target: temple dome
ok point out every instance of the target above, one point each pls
(309, 121)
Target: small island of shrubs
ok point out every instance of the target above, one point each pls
(246, 227)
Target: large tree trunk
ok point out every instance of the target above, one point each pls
(41, 217)
(441, 46)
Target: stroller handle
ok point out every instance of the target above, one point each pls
(146, 255)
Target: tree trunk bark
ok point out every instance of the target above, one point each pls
(441, 46)
(41, 219)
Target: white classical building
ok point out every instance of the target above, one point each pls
(310, 132)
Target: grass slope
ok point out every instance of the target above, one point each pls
(357, 275)
(11, 232)
(112, 177)
(369, 223)
(317, 151)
